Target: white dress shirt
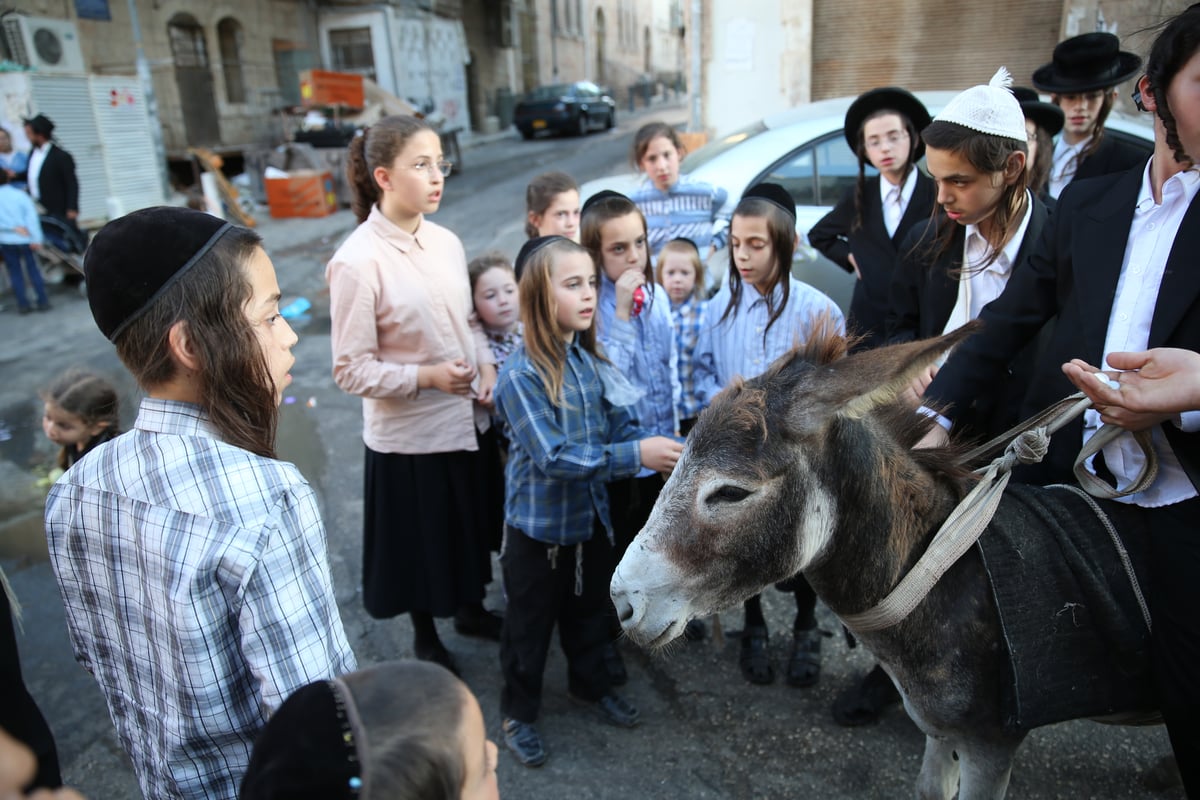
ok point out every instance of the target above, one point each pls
(895, 200)
(981, 285)
(1151, 236)
(37, 157)
(1066, 161)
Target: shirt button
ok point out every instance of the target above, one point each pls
(758, 329)
(1124, 317)
(1150, 227)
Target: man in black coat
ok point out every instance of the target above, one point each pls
(51, 172)
(1082, 81)
(1116, 266)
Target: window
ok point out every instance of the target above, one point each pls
(229, 34)
(818, 173)
(350, 50)
(187, 42)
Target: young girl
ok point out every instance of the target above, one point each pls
(569, 436)
(81, 411)
(864, 230)
(674, 205)
(552, 206)
(400, 730)
(186, 541)
(681, 273)
(494, 293)
(634, 326)
(405, 340)
(760, 313)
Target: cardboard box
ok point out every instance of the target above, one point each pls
(323, 88)
(303, 193)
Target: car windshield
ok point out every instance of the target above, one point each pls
(693, 161)
(549, 92)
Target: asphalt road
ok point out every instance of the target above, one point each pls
(706, 733)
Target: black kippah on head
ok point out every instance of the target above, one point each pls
(135, 258)
(529, 248)
(602, 195)
(775, 194)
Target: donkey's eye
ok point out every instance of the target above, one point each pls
(728, 494)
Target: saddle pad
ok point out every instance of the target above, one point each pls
(1077, 640)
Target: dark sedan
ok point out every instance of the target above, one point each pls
(565, 107)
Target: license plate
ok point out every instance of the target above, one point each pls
(539, 124)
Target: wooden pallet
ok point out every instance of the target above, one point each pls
(229, 193)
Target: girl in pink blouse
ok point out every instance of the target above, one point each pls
(404, 339)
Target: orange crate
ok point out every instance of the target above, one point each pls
(303, 193)
(322, 88)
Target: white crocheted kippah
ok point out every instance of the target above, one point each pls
(988, 109)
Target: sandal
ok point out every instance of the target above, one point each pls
(754, 659)
(863, 703)
(804, 666)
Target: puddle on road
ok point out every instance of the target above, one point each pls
(22, 536)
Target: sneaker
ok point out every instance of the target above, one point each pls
(525, 742)
(613, 709)
(24, 310)
(44, 307)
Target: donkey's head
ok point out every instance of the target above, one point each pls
(774, 468)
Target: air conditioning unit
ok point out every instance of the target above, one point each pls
(47, 45)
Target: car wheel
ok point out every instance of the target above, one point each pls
(582, 127)
(526, 133)
(612, 120)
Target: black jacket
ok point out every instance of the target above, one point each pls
(58, 187)
(1088, 233)
(1111, 156)
(873, 249)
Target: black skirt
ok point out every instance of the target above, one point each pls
(427, 524)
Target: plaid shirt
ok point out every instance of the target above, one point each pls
(690, 208)
(197, 592)
(561, 456)
(687, 317)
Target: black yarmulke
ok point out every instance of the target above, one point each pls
(529, 248)
(774, 193)
(1045, 115)
(602, 195)
(134, 258)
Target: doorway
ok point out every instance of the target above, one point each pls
(194, 78)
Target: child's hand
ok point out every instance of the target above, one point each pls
(630, 280)
(854, 263)
(487, 382)
(660, 453)
(21, 229)
(451, 377)
(34, 246)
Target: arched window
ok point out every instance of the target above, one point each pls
(187, 42)
(229, 33)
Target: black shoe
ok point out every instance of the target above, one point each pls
(804, 665)
(614, 665)
(614, 710)
(754, 659)
(694, 631)
(24, 310)
(525, 742)
(43, 307)
(481, 623)
(438, 655)
(862, 703)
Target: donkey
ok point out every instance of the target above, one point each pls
(810, 467)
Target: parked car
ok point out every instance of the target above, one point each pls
(804, 151)
(567, 108)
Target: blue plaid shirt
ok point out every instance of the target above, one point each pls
(687, 316)
(690, 208)
(561, 456)
(197, 590)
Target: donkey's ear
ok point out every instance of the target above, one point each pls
(876, 377)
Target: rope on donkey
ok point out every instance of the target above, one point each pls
(1027, 443)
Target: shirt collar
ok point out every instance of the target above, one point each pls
(1008, 255)
(174, 417)
(750, 296)
(393, 233)
(906, 188)
(1062, 149)
(1186, 181)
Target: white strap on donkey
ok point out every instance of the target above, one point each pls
(1027, 444)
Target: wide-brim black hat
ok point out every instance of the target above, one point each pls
(888, 98)
(1085, 63)
(40, 124)
(1046, 116)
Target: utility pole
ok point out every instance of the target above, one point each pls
(147, 83)
(695, 122)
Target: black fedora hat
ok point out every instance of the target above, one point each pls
(1087, 62)
(1046, 116)
(889, 98)
(40, 124)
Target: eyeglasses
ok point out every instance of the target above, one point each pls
(892, 138)
(426, 167)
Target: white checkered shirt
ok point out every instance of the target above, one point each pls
(197, 592)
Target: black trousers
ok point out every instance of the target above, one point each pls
(630, 502)
(19, 715)
(1174, 601)
(544, 587)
